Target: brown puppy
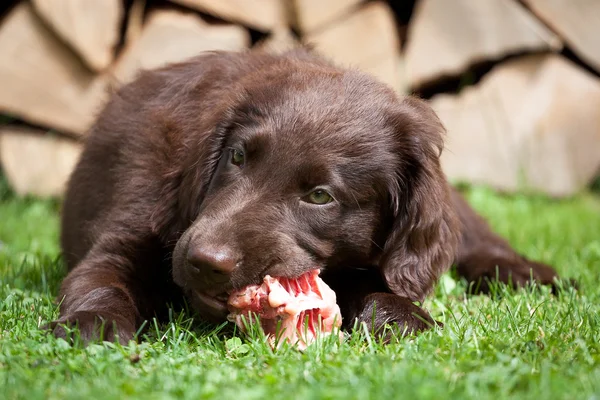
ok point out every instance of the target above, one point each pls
(209, 174)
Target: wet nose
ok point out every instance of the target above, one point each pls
(218, 262)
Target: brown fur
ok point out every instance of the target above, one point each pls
(156, 208)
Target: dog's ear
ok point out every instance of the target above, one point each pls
(185, 183)
(424, 233)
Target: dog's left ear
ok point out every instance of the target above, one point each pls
(424, 234)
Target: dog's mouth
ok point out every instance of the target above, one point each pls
(211, 300)
(213, 305)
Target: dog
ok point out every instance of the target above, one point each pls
(206, 175)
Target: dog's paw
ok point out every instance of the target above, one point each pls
(383, 311)
(93, 326)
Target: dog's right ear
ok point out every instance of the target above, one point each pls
(187, 178)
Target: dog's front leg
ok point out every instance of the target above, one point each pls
(381, 310)
(102, 295)
(364, 298)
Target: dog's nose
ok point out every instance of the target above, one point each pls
(215, 261)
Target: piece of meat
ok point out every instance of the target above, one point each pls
(297, 310)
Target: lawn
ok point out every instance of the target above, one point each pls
(525, 344)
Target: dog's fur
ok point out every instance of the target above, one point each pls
(160, 205)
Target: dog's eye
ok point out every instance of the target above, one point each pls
(319, 196)
(237, 157)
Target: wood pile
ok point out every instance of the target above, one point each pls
(516, 82)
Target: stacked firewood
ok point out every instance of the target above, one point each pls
(516, 82)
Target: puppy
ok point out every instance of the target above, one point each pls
(207, 175)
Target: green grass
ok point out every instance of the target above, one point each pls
(528, 344)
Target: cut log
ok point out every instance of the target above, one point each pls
(367, 39)
(42, 80)
(91, 27)
(531, 123)
(447, 37)
(577, 22)
(37, 163)
(262, 15)
(135, 21)
(280, 40)
(311, 15)
(171, 36)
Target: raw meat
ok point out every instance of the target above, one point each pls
(297, 310)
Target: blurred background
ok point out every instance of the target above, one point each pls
(516, 82)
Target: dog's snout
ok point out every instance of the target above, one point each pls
(210, 260)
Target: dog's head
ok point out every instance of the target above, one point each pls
(316, 167)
